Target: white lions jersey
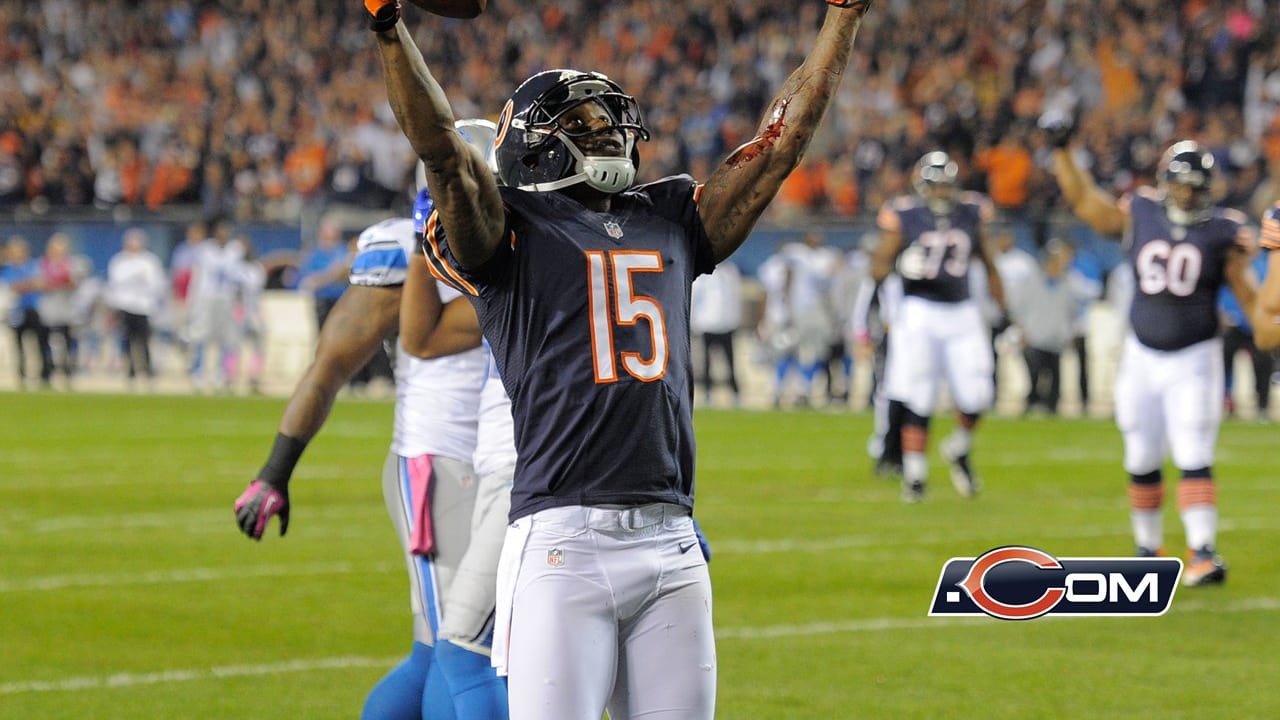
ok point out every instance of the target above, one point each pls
(437, 401)
(217, 271)
(496, 442)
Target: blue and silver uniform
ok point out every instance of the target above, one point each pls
(948, 242)
(588, 317)
(1178, 271)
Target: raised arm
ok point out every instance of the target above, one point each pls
(1087, 201)
(461, 183)
(741, 188)
(1266, 309)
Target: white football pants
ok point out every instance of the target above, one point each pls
(605, 608)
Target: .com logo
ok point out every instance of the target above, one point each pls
(1020, 583)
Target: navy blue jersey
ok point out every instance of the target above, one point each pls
(1178, 271)
(948, 242)
(588, 317)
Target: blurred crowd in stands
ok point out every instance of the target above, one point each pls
(273, 111)
(257, 108)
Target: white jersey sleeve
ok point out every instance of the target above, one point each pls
(382, 253)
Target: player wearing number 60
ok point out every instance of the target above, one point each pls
(1169, 385)
(581, 283)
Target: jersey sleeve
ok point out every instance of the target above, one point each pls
(1270, 238)
(382, 254)
(448, 271)
(676, 199)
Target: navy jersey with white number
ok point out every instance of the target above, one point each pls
(588, 317)
(1178, 271)
(948, 243)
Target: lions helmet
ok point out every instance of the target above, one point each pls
(535, 153)
(479, 134)
(1186, 175)
(937, 179)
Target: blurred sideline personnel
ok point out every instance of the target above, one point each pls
(715, 314)
(581, 284)
(1266, 317)
(930, 239)
(1169, 383)
(1237, 337)
(136, 288)
(440, 443)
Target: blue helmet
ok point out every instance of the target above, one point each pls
(535, 153)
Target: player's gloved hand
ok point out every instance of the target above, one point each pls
(260, 502)
(911, 263)
(268, 495)
(383, 14)
(703, 545)
(860, 5)
(1058, 129)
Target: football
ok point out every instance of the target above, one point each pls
(452, 8)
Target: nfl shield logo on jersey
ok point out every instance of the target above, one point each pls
(555, 557)
(613, 228)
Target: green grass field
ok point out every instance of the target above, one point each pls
(127, 592)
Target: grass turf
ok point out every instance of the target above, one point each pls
(126, 591)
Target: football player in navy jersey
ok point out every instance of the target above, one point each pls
(581, 282)
(1169, 385)
(930, 239)
(1266, 316)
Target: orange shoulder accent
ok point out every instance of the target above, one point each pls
(436, 257)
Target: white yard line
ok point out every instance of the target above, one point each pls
(186, 575)
(764, 632)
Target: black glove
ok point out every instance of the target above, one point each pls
(268, 495)
(383, 14)
(1058, 130)
(861, 5)
(260, 502)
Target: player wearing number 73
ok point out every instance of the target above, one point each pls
(1169, 385)
(581, 284)
(930, 239)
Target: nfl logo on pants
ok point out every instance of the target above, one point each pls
(555, 557)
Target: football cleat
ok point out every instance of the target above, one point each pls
(1204, 568)
(888, 469)
(912, 492)
(962, 477)
(1144, 552)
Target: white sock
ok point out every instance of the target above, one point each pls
(1201, 524)
(915, 467)
(1148, 528)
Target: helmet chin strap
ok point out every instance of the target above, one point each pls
(606, 174)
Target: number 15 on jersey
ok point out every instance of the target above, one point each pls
(614, 303)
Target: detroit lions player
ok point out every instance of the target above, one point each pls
(1266, 317)
(929, 239)
(429, 482)
(581, 284)
(1169, 385)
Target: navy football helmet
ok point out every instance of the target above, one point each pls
(534, 152)
(1186, 176)
(936, 179)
